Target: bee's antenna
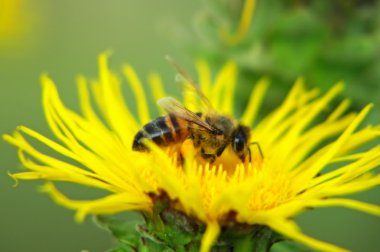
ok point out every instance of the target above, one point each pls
(258, 147)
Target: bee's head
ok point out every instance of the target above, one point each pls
(240, 141)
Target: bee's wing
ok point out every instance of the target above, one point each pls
(192, 85)
(171, 105)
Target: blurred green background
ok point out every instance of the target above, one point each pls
(325, 42)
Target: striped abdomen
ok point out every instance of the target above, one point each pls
(163, 131)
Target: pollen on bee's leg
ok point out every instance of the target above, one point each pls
(187, 148)
(185, 151)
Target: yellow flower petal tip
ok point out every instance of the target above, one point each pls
(244, 24)
(14, 178)
(187, 148)
(283, 173)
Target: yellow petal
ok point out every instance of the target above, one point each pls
(157, 88)
(108, 205)
(255, 101)
(289, 229)
(334, 148)
(139, 93)
(210, 236)
(349, 203)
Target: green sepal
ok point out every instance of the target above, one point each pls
(172, 228)
(253, 238)
(169, 230)
(122, 248)
(123, 228)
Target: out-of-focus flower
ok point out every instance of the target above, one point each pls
(294, 173)
(17, 22)
(244, 24)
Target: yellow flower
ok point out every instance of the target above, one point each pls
(16, 23)
(244, 24)
(294, 174)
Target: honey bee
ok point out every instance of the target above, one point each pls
(210, 132)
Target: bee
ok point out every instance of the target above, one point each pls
(210, 132)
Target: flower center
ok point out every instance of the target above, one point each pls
(228, 160)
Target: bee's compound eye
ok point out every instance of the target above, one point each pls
(238, 143)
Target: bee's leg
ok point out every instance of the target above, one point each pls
(208, 157)
(220, 150)
(197, 140)
(249, 155)
(180, 159)
(259, 148)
